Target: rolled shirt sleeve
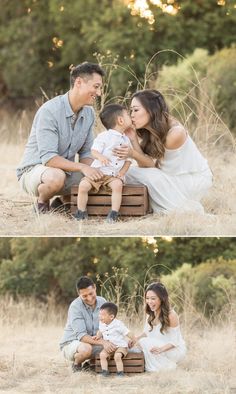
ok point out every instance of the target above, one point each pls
(47, 136)
(77, 322)
(85, 151)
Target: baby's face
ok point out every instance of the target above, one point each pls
(105, 317)
(127, 118)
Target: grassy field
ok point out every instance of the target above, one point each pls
(17, 217)
(31, 361)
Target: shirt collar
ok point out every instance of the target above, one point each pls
(69, 110)
(113, 131)
(88, 307)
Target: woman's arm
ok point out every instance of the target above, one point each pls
(174, 322)
(176, 137)
(136, 153)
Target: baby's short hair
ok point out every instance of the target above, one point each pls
(109, 114)
(110, 307)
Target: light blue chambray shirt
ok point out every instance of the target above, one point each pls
(82, 320)
(53, 134)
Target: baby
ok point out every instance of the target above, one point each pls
(116, 119)
(113, 330)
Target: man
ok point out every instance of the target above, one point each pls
(61, 128)
(77, 344)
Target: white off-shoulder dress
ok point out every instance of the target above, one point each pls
(166, 360)
(179, 184)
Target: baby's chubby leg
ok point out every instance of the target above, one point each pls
(118, 360)
(82, 199)
(103, 359)
(116, 186)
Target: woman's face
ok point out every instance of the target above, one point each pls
(153, 301)
(140, 117)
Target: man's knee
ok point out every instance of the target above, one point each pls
(54, 178)
(85, 349)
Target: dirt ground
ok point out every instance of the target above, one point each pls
(31, 362)
(17, 217)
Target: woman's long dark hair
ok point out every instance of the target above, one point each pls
(153, 139)
(161, 292)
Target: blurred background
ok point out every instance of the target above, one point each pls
(37, 283)
(185, 48)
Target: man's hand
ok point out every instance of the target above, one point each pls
(91, 173)
(96, 337)
(109, 346)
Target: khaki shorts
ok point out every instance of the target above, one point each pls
(69, 350)
(103, 182)
(30, 180)
(122, 350)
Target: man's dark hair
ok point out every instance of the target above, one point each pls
(83, 70)
(109, 115)
(110, 308)
(83, 282)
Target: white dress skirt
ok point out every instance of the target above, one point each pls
(181, 182)
(167, 360)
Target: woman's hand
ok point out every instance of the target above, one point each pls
(131, 133)
(156, 350)
(123, 152)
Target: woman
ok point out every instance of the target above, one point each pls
(161, 342)
(169, 163)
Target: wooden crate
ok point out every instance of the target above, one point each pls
(133, 363)
(135, 201)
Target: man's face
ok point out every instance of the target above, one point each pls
(89, 88)
(88, 295)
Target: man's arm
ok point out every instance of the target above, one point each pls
(108, 346)
(67, 165)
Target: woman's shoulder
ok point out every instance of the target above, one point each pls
(176, 136)
(173, 318)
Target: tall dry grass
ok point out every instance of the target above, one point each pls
(197, 112)
(31, 360)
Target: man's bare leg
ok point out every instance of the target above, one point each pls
(83, 353)
(53, 180)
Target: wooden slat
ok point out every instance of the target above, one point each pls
(127, 190)
(133, 363)
(106, 200)
(129, 356)
(135, 201)
(126, 369)
(103, 210)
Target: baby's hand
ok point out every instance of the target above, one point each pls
(104, 160)
(95, 337)
(121, 176)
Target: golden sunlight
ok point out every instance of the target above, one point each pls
(141, 8)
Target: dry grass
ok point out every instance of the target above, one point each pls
(18, 219)
(31, 361)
